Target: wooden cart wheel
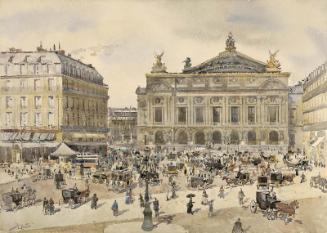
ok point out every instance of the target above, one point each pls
(253, 207)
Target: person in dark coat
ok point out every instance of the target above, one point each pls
(156, 207)
(94, 201)
(302, 178)
(114, 208)
(190, 207)
(237, 228)
(210, 214)
(141, 201)
(45, 205)
(51, 206)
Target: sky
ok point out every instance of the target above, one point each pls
(121, 37)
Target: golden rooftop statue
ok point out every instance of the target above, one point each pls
(273, 64)
(158, 66)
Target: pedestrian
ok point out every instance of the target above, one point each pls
(127, 198)
(237, 228)
(204, 198)
(302, 178)
(114, 208)
(141, 201)
(221, 192)
(51, 206)
(189, 206)
(210, 214)
(94, 201)
(167, 195)
(156, 207)
(45, 203)
(241, 196)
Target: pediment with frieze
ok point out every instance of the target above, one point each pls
(155, 87)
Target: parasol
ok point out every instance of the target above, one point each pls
(190, 195)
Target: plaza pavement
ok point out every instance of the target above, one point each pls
(33, 218)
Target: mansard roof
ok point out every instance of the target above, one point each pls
(229, 62)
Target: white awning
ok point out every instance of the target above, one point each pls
(318, 141)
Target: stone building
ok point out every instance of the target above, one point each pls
(295, 110)
(122, 125)
(230, 100)
(48, 97)
(315, 114)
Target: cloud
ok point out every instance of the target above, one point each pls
(120, 37)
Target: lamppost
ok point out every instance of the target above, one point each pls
(147, 220)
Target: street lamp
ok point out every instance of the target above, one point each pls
(147, 220)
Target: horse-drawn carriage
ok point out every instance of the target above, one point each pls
(45, 174)
(99, 177)
(304, 165)
(271, 207)
(241, 178)
(318, 182)
(171, 168)
(59, 180)
(201, 180)
(121, 179)
(74, 197)
(18, 199)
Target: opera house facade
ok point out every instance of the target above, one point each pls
(229, 101)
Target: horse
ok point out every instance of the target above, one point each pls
(286, 210)
(85, 194)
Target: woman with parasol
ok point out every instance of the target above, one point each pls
(189, 205)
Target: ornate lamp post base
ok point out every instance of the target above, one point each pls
(147, 221)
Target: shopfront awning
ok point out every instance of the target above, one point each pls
(318, 141)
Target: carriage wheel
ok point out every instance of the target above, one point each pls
(253, 207)
(271, 214)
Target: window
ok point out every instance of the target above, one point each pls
(8, 85)
(273, 114)
(23, 118)
(235, 114)
(251, 114)
(9, 119)
(216, 113)
(9, 102)
(37, 84)
(199, 115)
(37, 119)
(51, 119)
(38, 101)
(51, 84)
(23, 102)
(181, 115)
(51, 101)
(23, 84)
(158, 115)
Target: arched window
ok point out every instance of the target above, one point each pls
(216, 137)
(182, 137)
(159, 138)
(273, 138)
(199, 138)
(252, 138)
(234, 138)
